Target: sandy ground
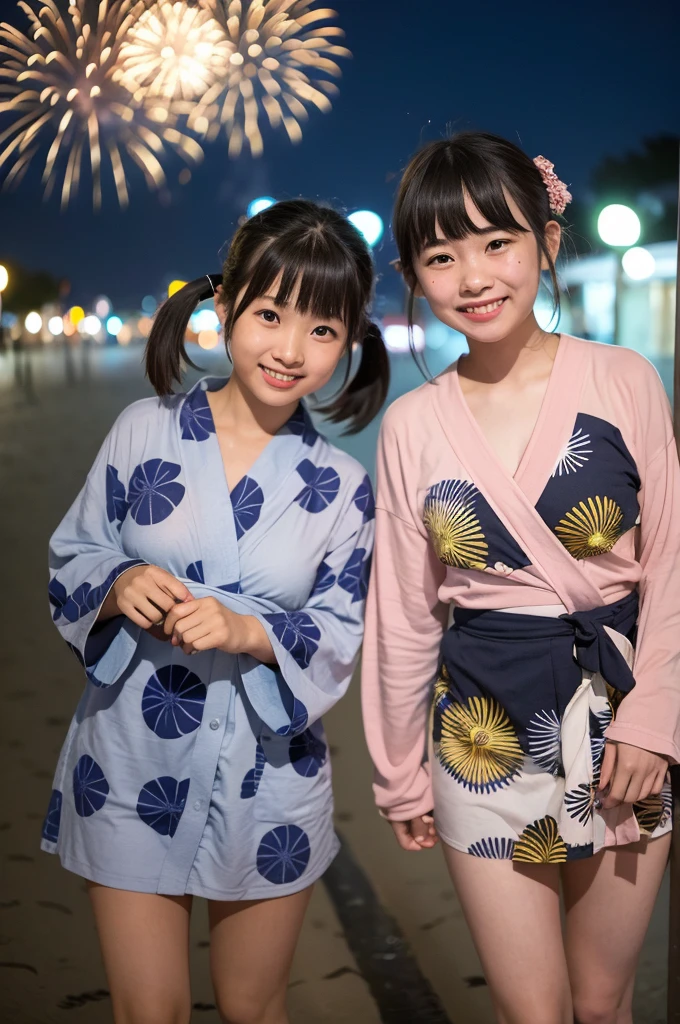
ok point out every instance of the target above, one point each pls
(51, 424)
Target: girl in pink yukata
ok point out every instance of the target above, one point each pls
(521, 666)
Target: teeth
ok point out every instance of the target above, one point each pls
(485, 309)
(280, 376)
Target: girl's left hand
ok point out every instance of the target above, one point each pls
(205, 624)
(630, 773)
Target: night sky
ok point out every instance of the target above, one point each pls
(573, 81)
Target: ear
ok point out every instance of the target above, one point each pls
(410, 280)
(220, 307)
(553, 237)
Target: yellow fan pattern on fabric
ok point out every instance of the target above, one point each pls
(591, 528)
(478, 745)
(541, 843)
(450, 519)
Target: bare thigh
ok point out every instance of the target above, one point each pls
(609, 900)
(513, 912)
(252, 943)
(145, 945)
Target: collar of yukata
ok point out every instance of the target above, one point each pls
(299, 423)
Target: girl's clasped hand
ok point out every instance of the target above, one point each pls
(161, 604)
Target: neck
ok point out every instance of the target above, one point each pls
(235, 407)
(511, 357)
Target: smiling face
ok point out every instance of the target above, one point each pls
(279, 353)
(484, 284)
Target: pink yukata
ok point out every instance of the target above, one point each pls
(515, 623)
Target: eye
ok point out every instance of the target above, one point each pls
(326, 332)
(268, 315)
(498, 244)
(440, 260)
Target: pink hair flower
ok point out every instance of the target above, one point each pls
(558, 194)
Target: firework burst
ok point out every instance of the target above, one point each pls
(173, 52)
(279, 55)
(60, 82)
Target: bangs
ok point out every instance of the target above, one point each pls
(319, 268)
(436, 196)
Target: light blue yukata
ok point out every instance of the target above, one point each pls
(208, 774)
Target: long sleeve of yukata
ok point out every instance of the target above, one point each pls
(86, 558)
(404, 626)
(649, 716)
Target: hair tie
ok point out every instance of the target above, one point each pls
(558, 194)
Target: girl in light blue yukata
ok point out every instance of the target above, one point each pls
(210, 577)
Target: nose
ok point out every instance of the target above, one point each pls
(289, 348)
(475, 277)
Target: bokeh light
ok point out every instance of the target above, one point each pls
(204, 320)
(33, 323)
(369, 224)
(124, 336)
(114, 325)
(208, 339)
(76, 314)
(396, 338)
(174, 287)
(144, 325)
(618, 225)
(4, 278)
(55, 325)
(90, 325)
(102, 307)
(149, 305)
(638, 263)
(258, 205)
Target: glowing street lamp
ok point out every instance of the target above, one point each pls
(619, 227)
(4, 281)
(258, 205)
(638, 263)
(368, 224)
(33, 323)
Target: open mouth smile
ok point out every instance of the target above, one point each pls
(278, 379)
(480, 312)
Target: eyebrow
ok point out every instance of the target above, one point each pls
(481, 231)
(272, 298)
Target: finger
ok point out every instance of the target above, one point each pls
(636, 789)
(186, 623)
(608, 764)
(420, 831)
(404, 837)
(201, 634)
(177, 612)
(171, 585)
(142, 611)
(618, 787)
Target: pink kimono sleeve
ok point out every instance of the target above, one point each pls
(404, 626)
(649, 717)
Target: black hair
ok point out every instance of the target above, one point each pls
(312, 248)
(486, 167)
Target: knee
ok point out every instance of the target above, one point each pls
(596, 1009)
(244, 1008)
(147, 1010)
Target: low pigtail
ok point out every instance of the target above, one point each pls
(165, 351)
(361, 400)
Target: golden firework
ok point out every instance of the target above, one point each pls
(450, 519)
(591, 528)
(541, 843)
(173, 52)
(279, 53)
(59, 81)
(478, 744)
